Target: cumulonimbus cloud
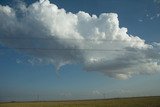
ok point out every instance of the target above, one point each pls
(59, 37)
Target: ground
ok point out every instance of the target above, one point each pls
(118, 102)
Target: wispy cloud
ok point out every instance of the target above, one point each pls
(18, 61)
(157, 1)
(140, 20)
(96, 92)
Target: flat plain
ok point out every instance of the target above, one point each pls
(116, 102)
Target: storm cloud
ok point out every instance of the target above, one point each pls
(60, 38)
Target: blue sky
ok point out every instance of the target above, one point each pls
(22, 80)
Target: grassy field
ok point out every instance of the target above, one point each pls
(123, 102)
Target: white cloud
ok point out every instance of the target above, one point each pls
(18, 61)
(34, 61)
(152, 18)
(96, 92)
(59, 37)
(140, 20)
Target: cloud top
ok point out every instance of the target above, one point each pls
(59, 37)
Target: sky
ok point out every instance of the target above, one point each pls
(79, 49)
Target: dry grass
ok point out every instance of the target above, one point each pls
(124, 102)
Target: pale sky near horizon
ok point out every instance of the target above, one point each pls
(22, 77)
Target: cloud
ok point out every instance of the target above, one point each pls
(96, 92)
(58, 37)
(140, 20)
(34, 61)
(18, 61)
(66, 94)
(152, 17)
(157, 1)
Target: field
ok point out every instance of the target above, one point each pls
(121, 102)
